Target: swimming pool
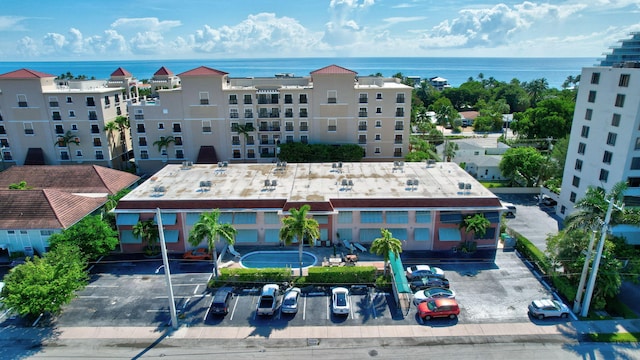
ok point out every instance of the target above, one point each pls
(277, 259)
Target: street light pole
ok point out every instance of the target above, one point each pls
(167, 273)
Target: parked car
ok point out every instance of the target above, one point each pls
(428, 282)
(197, 254)
(340, 301)
(541, 309)
(268, 301)
(290, 301)
(423, 271)
(438, 308)
(433, 293)
(547, 201)
(221, 301)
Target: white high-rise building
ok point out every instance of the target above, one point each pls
(604, 146)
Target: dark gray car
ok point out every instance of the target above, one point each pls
(221, 301)
(428, 282)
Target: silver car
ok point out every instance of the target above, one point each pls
(544, 308)
(290, 301)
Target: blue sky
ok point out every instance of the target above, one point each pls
(45, 30)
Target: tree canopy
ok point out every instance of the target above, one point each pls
(523, 165)
(210, 228)
(93, 236)
(300, 227)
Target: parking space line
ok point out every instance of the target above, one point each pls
(328, 306)
(158, 311)
(102, 286)
(92, 297)
(206, 314)
(351, 312)
(176, 297)
(234, 307)
(371, 301)
(5, 314)
(185, 304)
(196, 289)
(304, 308)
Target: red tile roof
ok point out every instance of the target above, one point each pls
(25, 74)
(44, 209)
(121, 72)
(163, 71)
(69, 178)
(203, 71)
(333, 69)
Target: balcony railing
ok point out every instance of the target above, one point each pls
(28, 131)
(332, 128)
(288, 128)
(22, 104)
(363, 100)
(93, 117)
(362, 140)
(362, 113)
(204, 101)
(304, 128)
(400, 99)
(138, 116)
(399, 127)
(303, 114)
(399, 113)
(57, 117)
(332, 100)
(362, 127)
(53, 104)
(269, 128)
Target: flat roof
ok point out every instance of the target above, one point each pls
(309, 182)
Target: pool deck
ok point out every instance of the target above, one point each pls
(365, 258)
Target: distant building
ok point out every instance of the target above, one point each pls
(439, 83)
(604, 145)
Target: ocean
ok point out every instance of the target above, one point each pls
(456, 70)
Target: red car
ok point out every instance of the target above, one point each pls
(441, 307)
(197, 254)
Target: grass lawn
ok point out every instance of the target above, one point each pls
(616, 337)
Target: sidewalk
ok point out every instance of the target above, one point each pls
(460, 333)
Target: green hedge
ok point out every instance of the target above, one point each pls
(342, 275)
(247, 277)
(527, 249)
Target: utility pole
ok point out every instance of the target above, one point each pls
(596, 262)
(583, 277)
(167, 273)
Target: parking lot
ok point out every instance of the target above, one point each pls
(133, 294)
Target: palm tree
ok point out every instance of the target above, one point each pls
(535, 89)
(209, 227)
(164, 142)
(149, 233)
(593, 207)
(299, 227)
(385, 246)
(476, 224)
(120, 124)
(450, 150)
(244, 130)
(67, 139)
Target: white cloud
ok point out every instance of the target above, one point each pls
(403, 19)
(147, 24)
(351, 3)
(28, 47)
(11, 23)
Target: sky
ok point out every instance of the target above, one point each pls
(46, 30)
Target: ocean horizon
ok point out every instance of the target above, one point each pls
(455, 69)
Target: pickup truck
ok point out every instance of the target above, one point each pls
(268, 301)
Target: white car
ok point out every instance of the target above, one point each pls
(541, 309)
(290, 301)
(432, 293)
(340, 301)
(417, 271)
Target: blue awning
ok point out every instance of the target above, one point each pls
(449, 234)
(167, 218)
(127, 219)
(171, 236)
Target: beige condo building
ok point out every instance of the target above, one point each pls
(211, 117)
(37, 111)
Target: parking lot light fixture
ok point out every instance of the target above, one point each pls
(167, 273)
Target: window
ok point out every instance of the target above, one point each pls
(362, 139)
(637, 147)
(97, 142)
(144, 154)
(399, 112)
(140, 128)
(611, 139)
(288, 99)
(604, 175)
(398, 139)
(22, 101)
(576, 181)
(362, 126)
(178, 140)
(578, 165)
(142, 141)
(160, 126)
(93, 115)
(179, 154)
(53, 101)
(72, 114)
(99, 155)
(615, 120)
(332, 96)
(619, 100)
(376, 150)
(204, 98)
(303, 113)
(78, 153)
(397, 152)
(177, 128)
(588, 114)
(362, 112)
(304, 139)
(233, 99)
(397, 217)
(378, 110)
(64, 155)
(378, 123)
(2, 130)
(370, 217)
(116, 98)
(582, 147)
(28, 128)
(363, 99)
(585, 132)
(56, 115)
(400, 98)
(95, 129)
(289, 139)
(248, 114)
(69, 100)
(592, 96)
(595, 78)
(91, 101)
(378, 137)
(378, 96)
(332, 125)
(624, 80)
(303, 98)
(247, 99)
(4, 143)
(235, 140)
(288, 113)
(107, 102)
(606, 158)
(635, 163)
(399, 125)
(572, 197)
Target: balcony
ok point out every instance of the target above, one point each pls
(206, 129)
(399, 113)
(332, 128)
(362, 141)
(22, 104)
(399, 127)
(54, 104)
(138, 116)
(56, 117)
(99, 157)
(248, 115)
(91, 103)
(303, 114)
(362, 113)
(93, 117)
(269, 128)
(269, 114)
(288, 128)
(332, 100)
(304, 128)
(204, 101)
(400, 99)
(28, 131)
(363, 100)
(362, 127)
(233, 101)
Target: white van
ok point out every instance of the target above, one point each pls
(511, 209)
